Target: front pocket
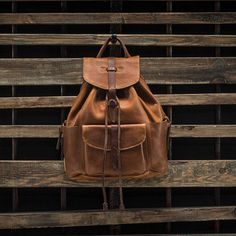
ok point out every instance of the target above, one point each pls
(132, 150)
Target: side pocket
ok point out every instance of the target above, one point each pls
(158, 146)
(132, 141)
(73, 151)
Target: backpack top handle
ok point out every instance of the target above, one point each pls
(113, 39)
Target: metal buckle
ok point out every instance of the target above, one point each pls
(112, 68)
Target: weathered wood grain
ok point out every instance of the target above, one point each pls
(40, 71)
(36, 102)
(109, 0)
(177, 131)
(164, 99)
(29, 131)
(134, 39)
(173, 235)
(114, 217)
(56, 71)
(196, 99)
(120, 18)
(196, 131)
(181, 173)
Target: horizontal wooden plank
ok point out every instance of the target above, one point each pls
(196, 99)
(109, 0)
(182, 173)
(120, 18)
(129, 39)
(164, 99)
(36, 102)
(114, 217)
(204, 131)
(167, 235)
(177, 131)
(173, 234)
(66, 71)
(29, 131)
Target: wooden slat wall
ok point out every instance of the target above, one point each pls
(217, 72)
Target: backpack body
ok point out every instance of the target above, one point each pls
(116, 127)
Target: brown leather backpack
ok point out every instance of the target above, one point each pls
(116, 128)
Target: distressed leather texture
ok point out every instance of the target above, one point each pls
(115, 127)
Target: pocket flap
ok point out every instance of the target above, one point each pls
(131, 135)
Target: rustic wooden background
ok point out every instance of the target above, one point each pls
(188, 51)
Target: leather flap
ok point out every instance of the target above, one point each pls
(127, 73)
(131, 135)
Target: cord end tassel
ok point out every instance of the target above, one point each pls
(122, 206)
(59, 139)
(105, 206)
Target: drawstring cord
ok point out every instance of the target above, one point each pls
(105, 202)
(121, 206)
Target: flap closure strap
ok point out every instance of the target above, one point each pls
(113, 114)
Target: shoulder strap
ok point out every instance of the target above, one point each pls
(111, 39)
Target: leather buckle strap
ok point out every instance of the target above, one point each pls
(112, 100)
(113, 111)
(112, 117)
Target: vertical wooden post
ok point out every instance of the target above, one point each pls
(15, 194)
(169, 113)
(63, 54)
(115, 6)
(218, 121)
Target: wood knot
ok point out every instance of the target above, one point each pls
(222, 170)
